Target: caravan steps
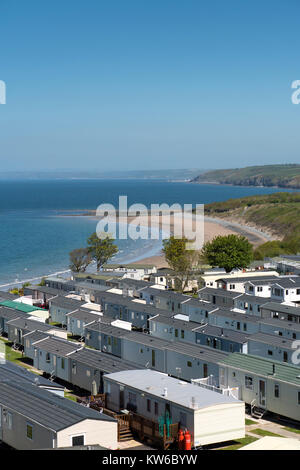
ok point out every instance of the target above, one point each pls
(125, 434)
(257, 413)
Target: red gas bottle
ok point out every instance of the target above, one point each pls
(180, 439)
(187, 443)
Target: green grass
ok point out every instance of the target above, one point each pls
(248, 422)
(297, 431)
(55, 323)
(263, 432)
(15, 356)
(11, 354)
(70, 396)
(240, 443)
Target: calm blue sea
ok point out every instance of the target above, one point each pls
(35, 237)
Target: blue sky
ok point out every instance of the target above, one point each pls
(148, 84)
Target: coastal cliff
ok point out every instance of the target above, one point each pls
(282, 176)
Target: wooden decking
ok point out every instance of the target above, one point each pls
(134, 425)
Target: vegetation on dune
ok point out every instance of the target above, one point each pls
(283, 176)
(279, 213)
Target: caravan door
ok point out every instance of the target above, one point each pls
(262, 393)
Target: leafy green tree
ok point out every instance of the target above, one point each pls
(101, 249)
(80, 258)
(228, 252)
(181, 260)
(43, 282)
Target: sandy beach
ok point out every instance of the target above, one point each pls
(212, 228)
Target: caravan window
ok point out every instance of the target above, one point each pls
(148, 405)
(7, 418)
(222, 376)
(77, 441)
(249, 382)
(132, 398)
(29, 431)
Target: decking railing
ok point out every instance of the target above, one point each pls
(141, 427)
(147, 429)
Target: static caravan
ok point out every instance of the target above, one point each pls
(263, 383)
(88, 367)
(132, 287)
(274, 326)
(239, 284)
(33, 418)
(51, 356)
(218, 297)
(189, 361)
(59, 283)
(172, 329)
(170, 300)
(197, 310)
(229, 319)
(17, 328)
(105, 337)
(144, 350)
(7, 314)
(29, 339)
(5, 295)
(42, 293)
(286, 290)
(140, 314)
(250, 304)
(223, 339)
(59, 306)
(210, 417)
(10, 371)
(272, 346)
(77, 321)
(281, 312)
(133, 271)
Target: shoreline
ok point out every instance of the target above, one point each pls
(212, 228)
(292, 188)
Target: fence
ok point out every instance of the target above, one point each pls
(210, 384)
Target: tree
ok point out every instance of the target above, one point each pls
(228, 252)
(101, 250)
(80, 258)
(181, 260)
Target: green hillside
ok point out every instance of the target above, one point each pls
(283, 176)
(278, 213)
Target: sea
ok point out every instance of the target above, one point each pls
(39, 222)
